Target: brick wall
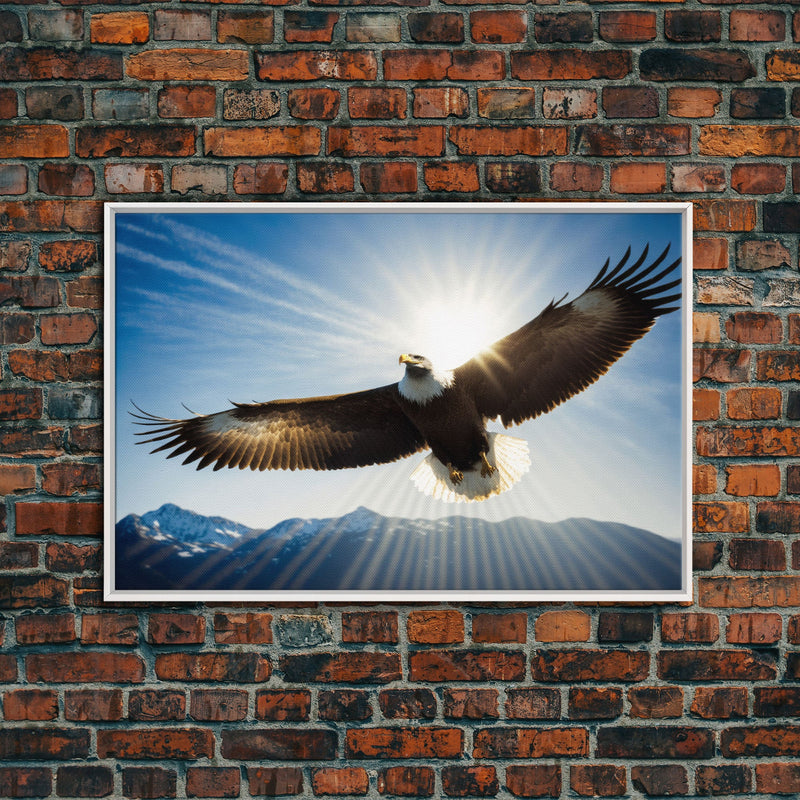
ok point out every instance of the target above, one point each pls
(400, 99)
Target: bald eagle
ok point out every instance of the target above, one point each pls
(563, 350)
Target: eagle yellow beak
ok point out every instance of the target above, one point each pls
(407, 359)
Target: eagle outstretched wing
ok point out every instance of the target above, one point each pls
(348, 430)
(567, 347)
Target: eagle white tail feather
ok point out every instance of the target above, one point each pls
(507, 453)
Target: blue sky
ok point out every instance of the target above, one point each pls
(212, 307)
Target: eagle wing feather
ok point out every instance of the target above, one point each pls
(323, 433)
(569, 346)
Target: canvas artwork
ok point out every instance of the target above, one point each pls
(397, 401)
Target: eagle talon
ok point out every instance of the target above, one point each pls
(487, 470)
(456, 475)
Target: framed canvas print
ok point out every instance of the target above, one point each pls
(472, 402)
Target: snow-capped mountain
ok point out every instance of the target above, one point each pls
(172, 548)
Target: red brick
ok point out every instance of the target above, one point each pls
(30, 704)
(85, 292)
(720, 702)
(312, 65)
(370, 626)
(508, 140)
(761, 740)
(762, 254)
(509, 742)
(325, 177)
(134, 141)
(213, 782)
(417, 742)
(567, 176)
(18, 555)
(748, 140)
(591, 703)
(693, 103)
(66, 479)
(500, 103)
(389, 177)
(368, 102)
(86, 780)
(16, 478)
(317, 103)
(440, 102)
(339, 781)
(470, 704)
(569, 64)
(689, 627)
(710, 253)
(8, 103)
(15, 255)
(66, 180)
(120, 27)
(45, 628)
(563, 626)
(451, 176)
(693, 26)
(466, 665)
(706, 554)
(758, 178)
(673, 742)
(60, 216)
(431, 27)
(656, 702)
(494, 628)
(51, 63)
(408, 703)
(698, 178)
(61, 519)
(589, 665)
(278, 140)
(704, 479)
(215, 666)
(261, 178)
(720, 517)
(176, 629)
(309, 26)
(218, 705)
(435, 627)
(569, 103)
(778, 778)
(68, 255)
(752, 327)
(534, 780)
(341, 667)
(776, 701)
(407, 781)
(155, 743)
(247, 27)
(746, 592)
(498, 27)
(723, 779)
(633, 140)
(149, 705)
(705, 327)
(630, 101)
(757, 26)
(376, 140)
(258, 744)
(720, 364)
(186, 102)
(638, 178)
(470, 781)
(778, 366)
(627, 26)
(756, 629)
(19, 781)
(743, 480)
(181, 64)
(275, 781)
(242, 628)
(598, 780)
(59, 329)
(44, 743)
(85, 667)
(110, 629)
(344, 704)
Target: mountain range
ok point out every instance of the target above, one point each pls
(172, 548)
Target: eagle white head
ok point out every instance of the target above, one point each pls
(421, 382)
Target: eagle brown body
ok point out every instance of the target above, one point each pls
(527, 373)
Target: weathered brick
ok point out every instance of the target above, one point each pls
(186, 102)
(372, 27)
(261, 178)
(743, 480)
(155, 743)
(466, 665)
(598, 780)
(45, 628)
(632, 140)
(44, 743)
(753, 403)
(343, 704)
(697, 178)
(440, 102)
(312, 103)
(340, 781)
(748, 140)
(676, 64)
(428, 27)
(510, 742)
(470, 781)
(282, 705)
(245, 27)
(215, 666)
(254, 744)
(188, 64)
(368, 102)
(567, 103)
(494, 628)
(322, 177)
(85, 667)
(213, 782)
(86, 780)
(397, 742)
(348, 667)
(637, 178)
(693, 26)
(656, 702)
(176, 629)
(576, 177)
(589, 665)
(311, 65)
(277, 140)
(761, 740)
(572, 27)
(30, 704)
(627, 627)
(534, 780)
(668, 780)
(719, 702)
(50, 63)
(135, 141)
(120, 27)
(376, 140)
(178, 24)
(275, 781)
(563, 626)
(150, 705)
(664, 741)
(569, 64)
(778, 778)
(370, 626)
(470, 703)
(218, 705)
(508, 140)
(407, 781)
(242, 104)
(407, 703)
(389, 177)
(451, 176)
(689, 627)
(693, 103)
(591, 703)
(19, 781)
(496, 27)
